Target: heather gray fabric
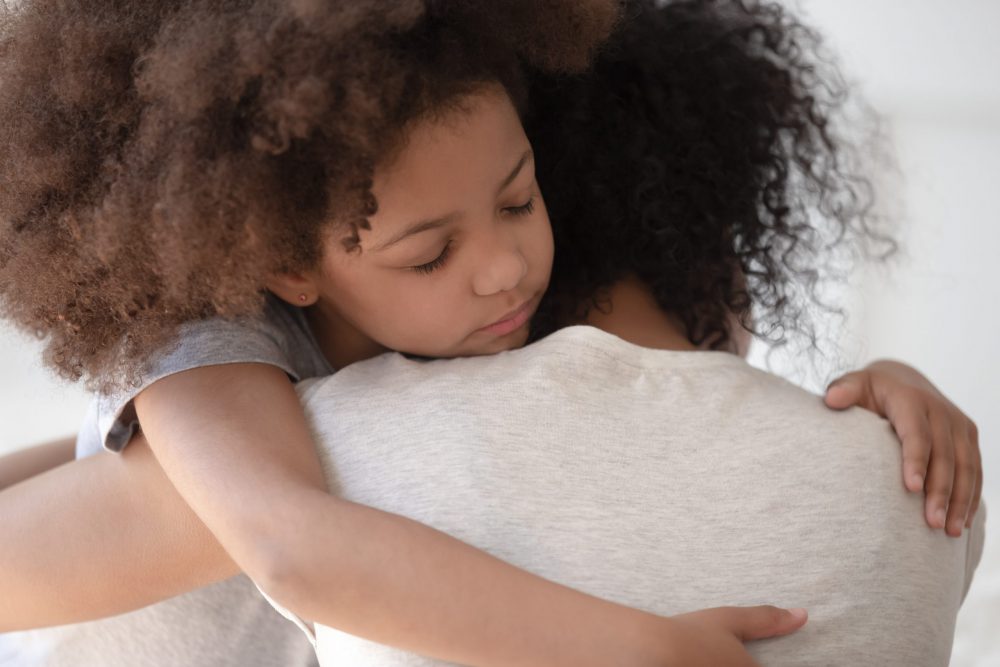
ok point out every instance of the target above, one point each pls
(225, 624)
(669, 481)
(281, 337)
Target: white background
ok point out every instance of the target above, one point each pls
(933, 70)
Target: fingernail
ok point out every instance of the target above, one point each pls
(956, 527)
(939, 517)
(798, 613)
(916, 481)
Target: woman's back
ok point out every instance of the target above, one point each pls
(665, 480)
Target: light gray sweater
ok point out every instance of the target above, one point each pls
(668, 481)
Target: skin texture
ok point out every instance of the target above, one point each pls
(25, 463)
(54, 569)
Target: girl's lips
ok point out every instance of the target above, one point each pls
(513, 320)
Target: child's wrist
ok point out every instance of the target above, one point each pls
(645, 640)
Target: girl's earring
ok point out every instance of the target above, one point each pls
(303, 298)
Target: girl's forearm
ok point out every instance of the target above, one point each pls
(393, 580)
(99, 537)
(254, 478)
(30, 461)
(109, 534)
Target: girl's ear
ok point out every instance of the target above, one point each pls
(298, 289)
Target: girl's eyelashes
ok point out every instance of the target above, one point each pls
(435, 264)
(524, 209)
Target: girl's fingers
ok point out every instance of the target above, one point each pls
(940, 473)
(845, 391)
(940, 445)
(909, 420)
(964, 484)
(762, 622)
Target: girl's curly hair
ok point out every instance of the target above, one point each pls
(701, 155)
(159, 159)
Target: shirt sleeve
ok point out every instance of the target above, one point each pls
(88, 437)
(306, 627)
(209, 342)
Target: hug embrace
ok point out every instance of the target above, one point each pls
(416, 332)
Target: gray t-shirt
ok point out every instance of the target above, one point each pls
(281, 337)
(668, 481)
(228, 623)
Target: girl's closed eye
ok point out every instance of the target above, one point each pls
(524, 209)
(436, 263)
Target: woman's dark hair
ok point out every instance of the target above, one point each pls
(701, 155)
(158, 160)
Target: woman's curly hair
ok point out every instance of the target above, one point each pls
(700, 154)
(158, 160)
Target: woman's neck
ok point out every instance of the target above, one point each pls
(630, 312)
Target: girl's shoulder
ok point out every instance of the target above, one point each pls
(278, 336)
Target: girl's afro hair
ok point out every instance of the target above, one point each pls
(158, 160)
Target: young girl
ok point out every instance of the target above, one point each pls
(266, 179)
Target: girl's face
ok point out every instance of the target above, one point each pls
(458, 254)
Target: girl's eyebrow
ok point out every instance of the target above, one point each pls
(528, 155)
(427, 225)
(422, 226)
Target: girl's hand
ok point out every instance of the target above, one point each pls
(715, 637)
(940, 444)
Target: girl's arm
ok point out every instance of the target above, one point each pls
(99, 537)
(121, 521)
(118, 536)
(30, 461)
(940, 443)
(234, 441)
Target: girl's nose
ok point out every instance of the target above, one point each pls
(503, 270)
